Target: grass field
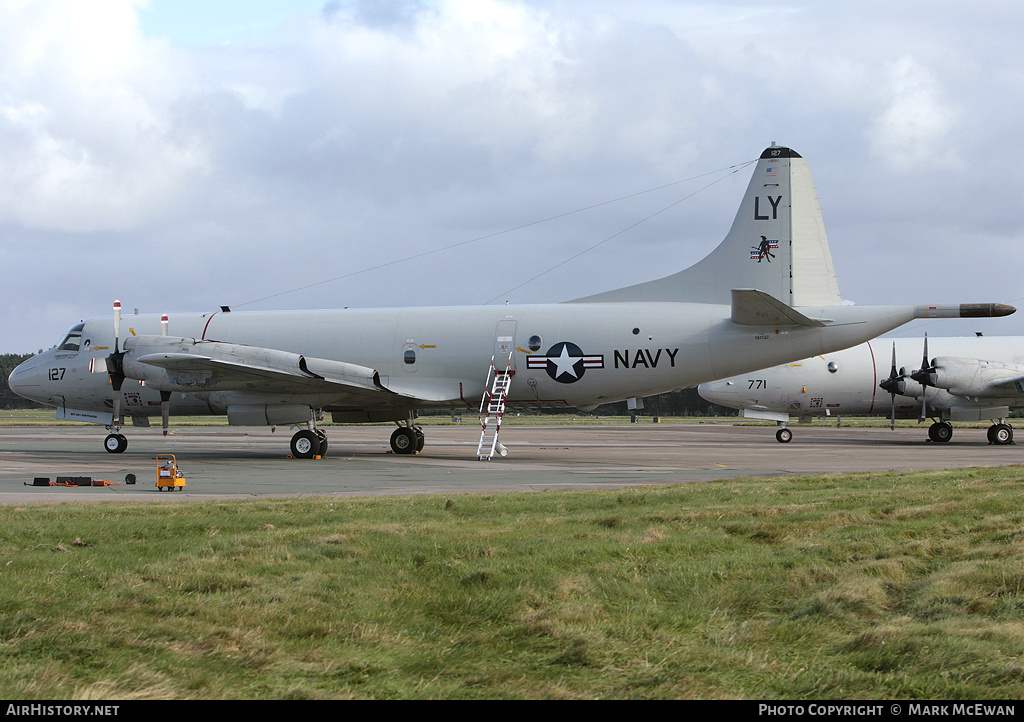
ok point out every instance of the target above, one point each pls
(869, 586)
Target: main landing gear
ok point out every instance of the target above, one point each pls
(309, 443)
(408, 439)
(940, 432)
(312, 442)
(999, 433)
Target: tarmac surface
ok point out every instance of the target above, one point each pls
(226, 462)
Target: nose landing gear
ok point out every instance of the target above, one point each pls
(115, 443)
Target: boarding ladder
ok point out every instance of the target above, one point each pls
(492, 408)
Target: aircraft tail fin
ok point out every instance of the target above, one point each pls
(777, 245)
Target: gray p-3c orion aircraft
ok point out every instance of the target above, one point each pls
(766, 295)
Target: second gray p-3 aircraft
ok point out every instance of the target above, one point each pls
(766, 295)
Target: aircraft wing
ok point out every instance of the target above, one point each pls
(187, 365)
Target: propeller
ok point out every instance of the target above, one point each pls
(926, 377)
(115, 366)
(895, 384)
(165, 396)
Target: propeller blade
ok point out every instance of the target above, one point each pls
(117, 325)
(115, 382)
(926, 377)
(892, 394)
(895, 383)
(924, 374)
(165, 409)
(115, 366)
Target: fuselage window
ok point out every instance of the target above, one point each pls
(410, 356)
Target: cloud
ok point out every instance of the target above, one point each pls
(86, 142)
(918, 126)
(361, 133)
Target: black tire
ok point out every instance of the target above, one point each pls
(115, 443)
(421, 439)
(403, 440)
(940, 432)
(305, 444)
(783, 435)
(1000, 434)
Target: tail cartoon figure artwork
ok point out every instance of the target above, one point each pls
(764, 250)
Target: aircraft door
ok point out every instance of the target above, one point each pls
(505, 343)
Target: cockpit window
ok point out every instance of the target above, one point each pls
(73, 341)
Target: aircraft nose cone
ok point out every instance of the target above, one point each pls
(26, 380)
(718, 392)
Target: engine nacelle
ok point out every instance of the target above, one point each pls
(974, 377)
(168, 363)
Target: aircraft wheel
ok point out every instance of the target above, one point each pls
(421, 439)
(322, 449)
(1001, 434)
(115, 443)
(940, 432)
(783, 435)
(404, 441)
(305, 444)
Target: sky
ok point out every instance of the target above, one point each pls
(182, 155)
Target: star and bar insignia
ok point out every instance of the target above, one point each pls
(565, 362)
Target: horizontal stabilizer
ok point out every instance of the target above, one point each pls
(751, 307)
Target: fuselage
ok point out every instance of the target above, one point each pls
(847, 382)
(573, 355)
